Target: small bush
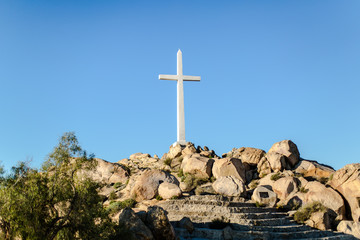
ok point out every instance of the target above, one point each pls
(158, 197)
(296, 205)
(253, 184)
(303, 190)
(115, 207)
(212, 179)
(193, 181)
(183, 178)
(324, 180)
(331, 177)
(276, 176)
(304, 213)
(298, 175)
(257, 204)
(112, 195)
(118, 185)
(168, 161)
(219, 223)
(263, 175)
(180, 173)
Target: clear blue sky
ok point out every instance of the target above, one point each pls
(271, 70)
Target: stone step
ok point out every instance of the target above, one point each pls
(205, 233)
(284, 228)
(216, 198)
(209, 217)
(339, 236)
(227, 215)
(207, 203)
(215, 208)
(246, 220)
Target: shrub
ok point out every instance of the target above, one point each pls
(158, 197)
(331, 177)
(180, 173)
(276, 176)
(168, 161)
(263, 175)
(296, 205)
(324, 180)
(112, 195)
(115, 207)
(193, 181)
(219, 223)
(303, 190)
(118, 185)
(298, 175)
(257, 204)
(304, 213)
(253, 184)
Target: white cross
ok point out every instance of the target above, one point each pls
(180, 96)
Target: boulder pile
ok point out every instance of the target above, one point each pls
(276, 178)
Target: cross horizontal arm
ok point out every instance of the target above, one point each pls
(192, 78)
(168, 77)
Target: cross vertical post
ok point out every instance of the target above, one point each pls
(180, 96)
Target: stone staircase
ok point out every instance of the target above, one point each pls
(245, 220)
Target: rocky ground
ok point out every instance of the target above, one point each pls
(246, 193)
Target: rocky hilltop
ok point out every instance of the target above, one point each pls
(246, 193)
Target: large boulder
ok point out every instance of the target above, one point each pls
(249, 155)
(277, 161)
(169, 190)
(159, 224)
(229, 186)
(317, 192)
(270, 179)
(146, 186)
(322, 220)
(349, 227)
(229, 167)
(139, 156)
(283, 187)
(174, 151)
(294, 201)
(197, 165)
(136, 229)
(137, 162)
(186, 223)
(189, 149)
(288, 149)
(264, 196)
(347, 182)
(107, 172)
(263, 167)
(313, 169)
(206, 152)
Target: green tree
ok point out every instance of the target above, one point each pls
(58, 202)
